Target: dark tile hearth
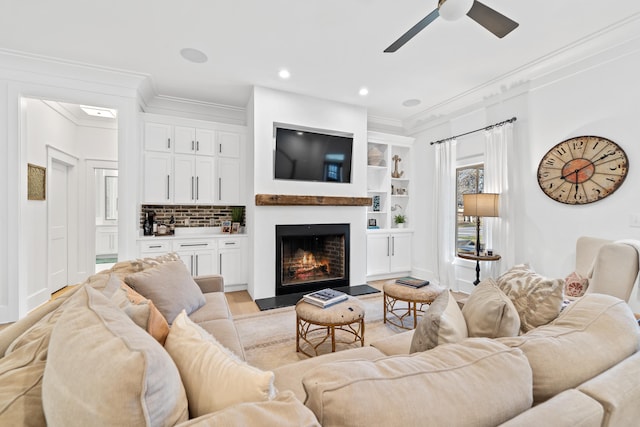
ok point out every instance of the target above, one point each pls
(292, 299)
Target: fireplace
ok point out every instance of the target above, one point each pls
(310, 257)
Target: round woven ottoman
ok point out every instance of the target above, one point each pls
(346, 316)
(416, 299)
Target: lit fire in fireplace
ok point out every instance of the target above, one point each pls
(305, 266)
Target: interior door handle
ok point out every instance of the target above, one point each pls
(168, 195)
(393, 246)
(192, 198)
(197, 188)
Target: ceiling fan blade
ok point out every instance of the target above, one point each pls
(413, 31)
(493, 21)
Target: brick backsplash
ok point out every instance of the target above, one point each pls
(199, 216)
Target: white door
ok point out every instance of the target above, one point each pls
(228, 181)
(58, 226)
(157, 178)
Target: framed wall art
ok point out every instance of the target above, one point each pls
(36, 182)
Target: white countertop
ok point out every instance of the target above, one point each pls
(194, 233)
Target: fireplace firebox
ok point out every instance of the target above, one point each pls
(310, 257)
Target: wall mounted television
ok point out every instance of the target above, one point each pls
(303, 154)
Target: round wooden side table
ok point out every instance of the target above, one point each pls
(346, 316)
(477, 259)
(416, 299)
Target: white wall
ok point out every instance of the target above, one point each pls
(269, 106)
(598, 99)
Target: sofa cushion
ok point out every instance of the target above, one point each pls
(102, 369)
(226, 333)
(590, 336)
(618, 391)
(215, 307)
(213, 376)
(283, 411)
(142, 311)
(567, 409)
(395, 344)
(289, 377)
(170, 286)
(442, 323)
(424, 388)
(537, 299)
(490, 313)
(575, 285)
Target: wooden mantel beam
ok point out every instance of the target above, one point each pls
(293, 200)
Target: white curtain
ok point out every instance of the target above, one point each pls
(499, 231)
(444, 205)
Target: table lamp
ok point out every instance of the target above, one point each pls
(480, 205)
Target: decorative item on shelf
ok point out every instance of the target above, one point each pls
(226, 226)
(376, 203)
(479, 205)
(235, 227)
(237, 213)
(400, 220)
(374, 157)
(396, 173)
(373, 224)
(172, 225)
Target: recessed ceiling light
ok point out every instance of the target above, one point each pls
(106, 113)
(193, 55)
(363, 91)
(284, 74)
(411, 102)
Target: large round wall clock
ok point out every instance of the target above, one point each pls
(582, 170)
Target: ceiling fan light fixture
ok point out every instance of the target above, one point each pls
(452, 10)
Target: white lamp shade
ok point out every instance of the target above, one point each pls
(481, 204)
(452, 10)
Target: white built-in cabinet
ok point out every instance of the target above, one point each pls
(221, 254)
(389, 165)
(192, 162)
(106, 239)
(198, 255)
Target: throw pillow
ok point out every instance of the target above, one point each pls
(537, 299)
(575, 285)
(102, 368)
(490, 313)
(213, 376)
(442, 323)
(171, 288)
(142, 311)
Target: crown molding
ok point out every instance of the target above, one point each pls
(607, 44)
(26, 67)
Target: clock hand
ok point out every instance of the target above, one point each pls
(604, 156)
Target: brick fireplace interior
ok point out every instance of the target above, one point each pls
(310, 257)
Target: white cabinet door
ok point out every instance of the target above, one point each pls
(231, 266)
(378, 253)
(185, 178)
(106, 240)
(229, 181)
(185, 140)
(205, 263)
(400, 252)
(205, 179)
(157, 178)
(228, 144)
(158, 137)
(205, 142)
(187, 258)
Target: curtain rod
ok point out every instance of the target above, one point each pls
(511, 120)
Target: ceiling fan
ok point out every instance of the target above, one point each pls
(451, 10)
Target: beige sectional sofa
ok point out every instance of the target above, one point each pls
(581, 369)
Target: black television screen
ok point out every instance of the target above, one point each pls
(311, 156)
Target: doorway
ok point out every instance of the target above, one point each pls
(58, 226)
(105, 180)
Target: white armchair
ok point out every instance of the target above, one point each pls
(612, 267)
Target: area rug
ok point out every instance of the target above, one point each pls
(269, 337)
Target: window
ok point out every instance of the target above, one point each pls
(469, 179)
